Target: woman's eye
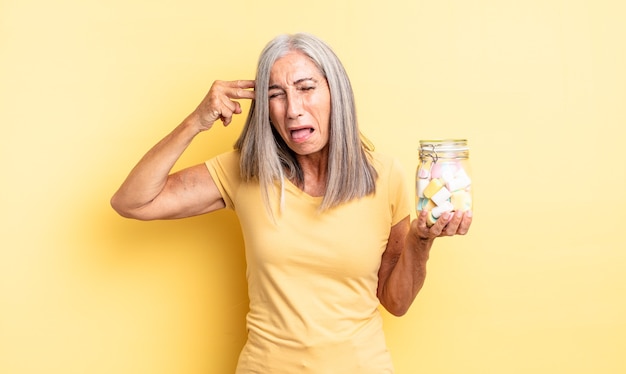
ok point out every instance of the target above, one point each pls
(275, 94)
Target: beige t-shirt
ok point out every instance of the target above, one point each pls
(312, 277)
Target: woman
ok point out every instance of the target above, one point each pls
(325, 219)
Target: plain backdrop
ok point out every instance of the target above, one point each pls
(538, 88)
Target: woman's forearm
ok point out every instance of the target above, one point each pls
(403, 267)
(407, 277)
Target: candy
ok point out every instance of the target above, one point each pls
(461, 200)
(445, 187)
(447, 175)
(443, 183)
(440, 209)
(459, 181)
(421, 186)
(425, 204)
(423, 173)
(433, 187)
(430, 220)
(435, 171)
(441, 196)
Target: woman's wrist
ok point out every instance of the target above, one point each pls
(192, 125)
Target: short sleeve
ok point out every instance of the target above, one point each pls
(224, 170)
(399, 193)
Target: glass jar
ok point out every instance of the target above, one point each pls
(443, 180)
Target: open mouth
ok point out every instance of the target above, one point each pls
(301, 134)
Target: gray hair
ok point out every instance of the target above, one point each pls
(267, 158)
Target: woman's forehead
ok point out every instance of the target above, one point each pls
(292, 68)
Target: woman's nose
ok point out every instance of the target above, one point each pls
(294, 106)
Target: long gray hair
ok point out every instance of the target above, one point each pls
(267, 158)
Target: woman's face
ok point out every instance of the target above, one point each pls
(299, 103)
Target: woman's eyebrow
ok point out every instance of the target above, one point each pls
(298, 81)
(305, 79)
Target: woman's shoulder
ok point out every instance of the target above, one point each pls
(383, 161)
(227, 159)
(225, 165)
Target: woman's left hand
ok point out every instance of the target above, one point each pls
(449, 224)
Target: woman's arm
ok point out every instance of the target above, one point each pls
(403, 265)
(151, 192)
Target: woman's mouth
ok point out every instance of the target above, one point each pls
(302, 134)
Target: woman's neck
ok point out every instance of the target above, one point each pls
(314, 170)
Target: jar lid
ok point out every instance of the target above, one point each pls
(445, 145)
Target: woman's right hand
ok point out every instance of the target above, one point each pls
(220, 102)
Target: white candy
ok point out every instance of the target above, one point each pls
(460, 181)
(424, 173)
(421, 186)
(440, 209)
(461, 174)
(447, 175)
(441, 197)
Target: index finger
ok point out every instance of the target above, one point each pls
(244, 89)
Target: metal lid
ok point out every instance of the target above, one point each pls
(445, 145)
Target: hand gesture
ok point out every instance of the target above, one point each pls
(220, 102)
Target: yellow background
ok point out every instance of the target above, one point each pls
(538, 87)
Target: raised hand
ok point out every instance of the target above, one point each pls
(220, 102)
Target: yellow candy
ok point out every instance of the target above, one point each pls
(461, 200)
(433, 187)
(430, 220)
